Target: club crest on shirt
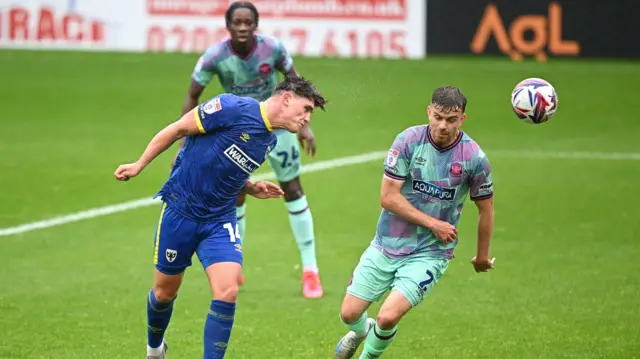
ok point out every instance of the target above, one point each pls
(456, 169)
(264, 69)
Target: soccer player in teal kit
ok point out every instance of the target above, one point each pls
(248, 64)
(227, 139)
(428, 173)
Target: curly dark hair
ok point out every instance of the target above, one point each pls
(449, 98)
(303, 88)
(241, 5)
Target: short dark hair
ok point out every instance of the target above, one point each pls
(241, 5)
(303, 88)
(449, 98)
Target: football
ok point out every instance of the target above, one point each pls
(534, 100)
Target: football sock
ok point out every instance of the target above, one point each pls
(241, 212)
(302, 225)
(158, 317)
(360, 326)
(217, 329)
(377, 342)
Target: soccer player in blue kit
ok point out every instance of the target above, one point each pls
(227, 139)
(249, 64)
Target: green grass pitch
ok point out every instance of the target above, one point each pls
(566, 283)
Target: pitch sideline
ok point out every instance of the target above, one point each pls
(308, 168)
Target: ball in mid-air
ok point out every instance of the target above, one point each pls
(534, 100)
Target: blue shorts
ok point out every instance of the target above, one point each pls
(178, 237)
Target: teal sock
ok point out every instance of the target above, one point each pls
(377, 342)
(302, 225)
(358, 327)
(241, 212)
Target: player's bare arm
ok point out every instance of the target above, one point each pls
(392, 200)
(193, 96)
(186, 126)
(481, 261)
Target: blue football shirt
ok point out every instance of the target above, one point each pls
(212, 167)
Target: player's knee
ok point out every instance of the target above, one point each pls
(387, 320)
(227, 293)
(349, 314)
(292, 189)
(164, 295)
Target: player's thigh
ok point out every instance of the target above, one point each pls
(284, 159)
(220, 243)
(175, 241)
(417, 276)
(220, 252)
(395, 306)
(373, 276)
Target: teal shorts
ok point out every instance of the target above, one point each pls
(413, 276)
(284, 159)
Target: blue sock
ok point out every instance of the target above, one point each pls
(158, 317)
(217, 329)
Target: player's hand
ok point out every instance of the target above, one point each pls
(264, 190)
(482, 264)
(445, 231)
(307, 140)
(125, 172)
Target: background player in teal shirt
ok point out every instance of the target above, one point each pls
(227, 139)
(249, 65)
(428, 174)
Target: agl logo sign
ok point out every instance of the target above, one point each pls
(547, 34)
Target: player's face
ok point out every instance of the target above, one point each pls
(296, 111)
(444, 124)
(242, 25)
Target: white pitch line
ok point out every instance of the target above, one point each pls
(312, 167)
(144, 202)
